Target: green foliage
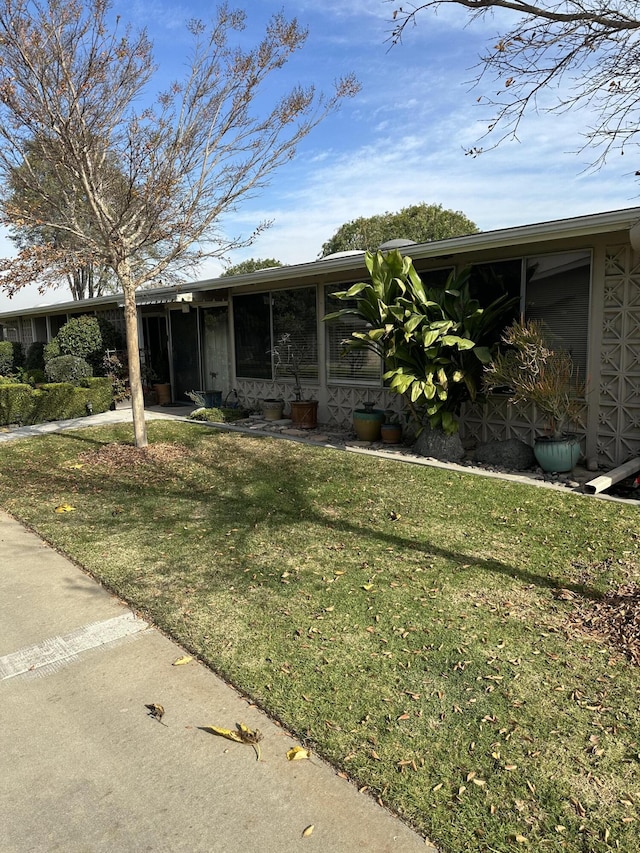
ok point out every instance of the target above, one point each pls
(16, 403)
(22, 404)
(250, 265)
(220, 416)
(51, 351)
(434, 341)
(418, 222)
(18, 354)
(6, 358)
(67, 368)
(81, 336)
(112, 339)
(34, 359)
(539, 374)
(34, 376)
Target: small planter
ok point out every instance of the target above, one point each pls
(367, 423)
(304, 414)
(391, 433)
(272, 409)
(558, 455)
(163, 392)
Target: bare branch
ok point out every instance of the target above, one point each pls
(582, 53)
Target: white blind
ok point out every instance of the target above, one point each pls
(359, 368)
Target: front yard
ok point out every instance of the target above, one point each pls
(424, 630)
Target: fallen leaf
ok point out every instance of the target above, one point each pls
(156, 711)
(437, 787)
(65, 508)
(181, 661)
(308, 830)
(521, 839)
(367, 586)
(296, 753)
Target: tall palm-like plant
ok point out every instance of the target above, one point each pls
(434, 341)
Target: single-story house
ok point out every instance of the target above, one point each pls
(581, 276)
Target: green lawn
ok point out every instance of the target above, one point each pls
(401, 620)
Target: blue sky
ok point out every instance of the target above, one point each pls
(401, 141)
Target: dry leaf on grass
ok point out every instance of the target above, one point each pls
(65, 508)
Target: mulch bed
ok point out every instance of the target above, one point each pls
(615, 618)
(118, 456)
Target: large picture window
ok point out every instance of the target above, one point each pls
(557, 292)
(260, 319)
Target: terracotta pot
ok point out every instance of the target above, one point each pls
(391, 433)
(163, 391)
(304, 414)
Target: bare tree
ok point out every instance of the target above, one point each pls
(74, 86)
(586, 52)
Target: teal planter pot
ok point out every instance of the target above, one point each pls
(367, 423)
(557, 455)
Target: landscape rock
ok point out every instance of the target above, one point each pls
(438, 445)
(513, 454)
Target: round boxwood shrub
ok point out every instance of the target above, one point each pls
(80, 336)
(67, 368)
(51, 350)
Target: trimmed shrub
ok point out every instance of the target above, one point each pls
(80, 336)
(6, 358)
(51, 351)
(16, 403)
(35, 357)
(55, 401)
(18, 354)
(33, 377)
(67, 368)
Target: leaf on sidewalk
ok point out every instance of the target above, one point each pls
(241, 734)
(181, 661)
(296, 753)
(306, 832)
(156, 711)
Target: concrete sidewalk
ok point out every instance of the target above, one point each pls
(83, 767)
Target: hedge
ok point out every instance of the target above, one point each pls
(53, 401)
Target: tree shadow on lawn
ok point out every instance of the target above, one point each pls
(264, 492)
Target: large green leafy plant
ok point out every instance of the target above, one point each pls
(434, 341)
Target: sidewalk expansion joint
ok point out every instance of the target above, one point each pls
(53, 653)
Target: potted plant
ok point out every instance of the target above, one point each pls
(537, 373)
(289, 355)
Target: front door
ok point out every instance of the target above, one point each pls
(185, 345)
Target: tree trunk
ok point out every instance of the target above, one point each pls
(133, 354)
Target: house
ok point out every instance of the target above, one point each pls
(580, 275)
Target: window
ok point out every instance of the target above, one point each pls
(252, 333)
(260, 319)
(557, 292)
(361, 367)
(294, 314)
